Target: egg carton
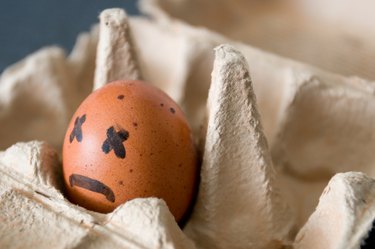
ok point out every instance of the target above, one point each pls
(337, 36)
(266, 159)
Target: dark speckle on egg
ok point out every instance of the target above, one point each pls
(120, 97)
(172, 110)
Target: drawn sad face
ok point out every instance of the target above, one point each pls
(129, 140)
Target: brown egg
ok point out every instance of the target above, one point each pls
(129, 140)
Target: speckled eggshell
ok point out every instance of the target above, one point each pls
(129, 140)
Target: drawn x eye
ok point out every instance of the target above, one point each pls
(115, 141)
(77, 130)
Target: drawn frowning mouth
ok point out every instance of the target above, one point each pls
(92, 185)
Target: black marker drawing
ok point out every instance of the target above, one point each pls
(92, 185)
(77, 130)
(115, 141)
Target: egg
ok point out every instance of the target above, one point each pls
(127, 140)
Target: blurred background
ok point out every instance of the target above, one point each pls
(26, 26)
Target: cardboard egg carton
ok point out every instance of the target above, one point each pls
(273, 140)
(337, 36)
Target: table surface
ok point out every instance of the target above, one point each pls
(26, 26)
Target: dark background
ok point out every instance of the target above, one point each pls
(26, 26)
